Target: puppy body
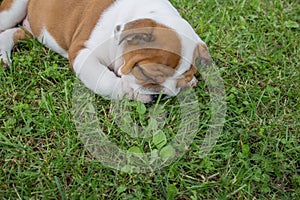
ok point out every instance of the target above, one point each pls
(135, 47)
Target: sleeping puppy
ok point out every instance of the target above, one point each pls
(139, 48)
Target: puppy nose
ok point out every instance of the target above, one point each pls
(155, 97)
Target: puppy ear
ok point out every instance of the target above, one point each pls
(202, 57)
(188, 76)
(117, 31)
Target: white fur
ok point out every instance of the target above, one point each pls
(46, 39)
(15, 14)
(97, 76)
(6, 45)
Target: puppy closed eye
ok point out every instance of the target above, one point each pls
(143, 37)
(152, 73)
(138, 38)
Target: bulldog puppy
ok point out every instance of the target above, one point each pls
(141, 48)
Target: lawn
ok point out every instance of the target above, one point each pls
(254, 44)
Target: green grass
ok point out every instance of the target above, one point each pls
(256, 46)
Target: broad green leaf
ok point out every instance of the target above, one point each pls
(167, 152)
(291, 24)
(246, 149)
(121, 189)
(159, 139)
(152, 124)
(135, 149)
(172, 192)
(141, 108)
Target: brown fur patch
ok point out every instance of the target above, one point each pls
(6, 5)
(201, 55)
(20, 34)
(187, 77)
(156, 57)
(151, 73)
(70, 22)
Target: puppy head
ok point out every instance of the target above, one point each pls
(152, 55)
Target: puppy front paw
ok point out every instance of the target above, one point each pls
(128, 83)
(4, 59)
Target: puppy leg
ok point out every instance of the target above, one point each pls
(97, 76)
(101, 80)
(12, 12)
(8, 39)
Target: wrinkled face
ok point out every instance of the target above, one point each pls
(152, 55)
